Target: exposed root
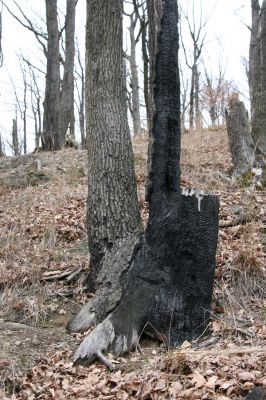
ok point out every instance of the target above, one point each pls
(96, 343)
(105, 361)
(84, 319)
(109, 285)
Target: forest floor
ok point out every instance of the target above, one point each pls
(44, 260)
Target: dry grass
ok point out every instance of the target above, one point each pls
(42, 230)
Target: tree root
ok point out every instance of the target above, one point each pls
(103, 338)
(165, 283)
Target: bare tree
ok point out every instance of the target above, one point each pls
(196, 27)
(184, 103)
(1, 30)
(67, 120)
(140, 8)
(159, 281)
(240, 141)
(21, 106)
(51, 139)
(25, 106)
(257, 74)
(134, 78)
(2, 146)
(215, 95)
(15, 141)
(35, 97)
(59, 99)
(80, 89)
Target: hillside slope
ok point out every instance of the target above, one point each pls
(44, 260)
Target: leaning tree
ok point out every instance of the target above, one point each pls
(159, 280)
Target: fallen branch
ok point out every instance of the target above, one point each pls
(13, 326)
(68, 275)
(239, 350)
(241, 219)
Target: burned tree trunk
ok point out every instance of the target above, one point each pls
(240, 140)
(159, 281)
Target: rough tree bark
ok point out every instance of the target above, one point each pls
(81, 100)
(113, 212)
(159, 281)
(51, 140)
(257, 75)
(134, 84)
(67, 92)
(2, 147)
(15, 141)
(240, 140)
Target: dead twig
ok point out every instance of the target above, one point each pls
(241, 219)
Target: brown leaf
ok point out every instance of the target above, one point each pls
(228, 384)
(245, 376)
(198, 379)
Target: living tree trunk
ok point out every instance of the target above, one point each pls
(51, 139)
(240, 140)
(159, 281)
(135, 111)
(257, 75)
(192, 99)
(15, 141)
(67, 92)
(198, 116)
(113, 212)
(2, 147)
(145, 57)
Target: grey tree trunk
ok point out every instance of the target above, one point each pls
(67, 92)
(191, 99)
(51, 139)
(113, 212)
(36, 108)
(2, 147)
(24, 113)
(135, 109)
(15, 141)
(240, 140)
(257, 75)
(161, 280)
(198, 116)
(145, 57)
(81, 100)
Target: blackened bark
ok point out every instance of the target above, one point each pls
(113, 211)
(51, 139)
(161, 281)
(240, 140)
(164, 174)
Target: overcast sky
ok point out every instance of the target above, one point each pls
(227, 40)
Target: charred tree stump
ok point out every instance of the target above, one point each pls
(240, 140)
(159, 281)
